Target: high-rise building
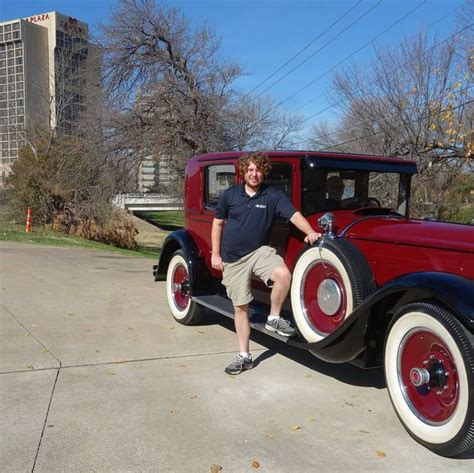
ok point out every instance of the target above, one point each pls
(41, 59)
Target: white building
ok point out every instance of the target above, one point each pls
(39, 57)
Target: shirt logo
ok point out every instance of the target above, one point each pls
(261, 206)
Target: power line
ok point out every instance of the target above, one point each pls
(327, 43)
(353, 53)
(379, 132)
(304, 48)
(429, 26)
(335, 132)
(371, 82)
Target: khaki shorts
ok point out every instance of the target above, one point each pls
(237, 275)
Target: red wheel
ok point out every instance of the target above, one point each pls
(180, 286)
(429, 364)
(324, 295)
(178, 292)
(428, 372)
(328, 284)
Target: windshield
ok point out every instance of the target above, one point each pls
(336, 189)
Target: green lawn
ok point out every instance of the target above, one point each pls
(169, 219)
(12, 231)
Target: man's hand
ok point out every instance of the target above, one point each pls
(216, 262)
(312, 237)
(302, 224)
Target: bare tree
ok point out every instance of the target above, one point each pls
(169, 76)
(256, 123)
(176, 93)
(415, 101)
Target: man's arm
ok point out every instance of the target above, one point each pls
(302, 224)
(216, 235)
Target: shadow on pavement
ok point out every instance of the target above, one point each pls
(344, 372)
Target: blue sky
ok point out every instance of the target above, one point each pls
(261, 35)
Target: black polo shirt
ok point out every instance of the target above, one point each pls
(249, 220)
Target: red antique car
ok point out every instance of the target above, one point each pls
(379, 288)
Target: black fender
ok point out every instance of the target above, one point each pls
(200, 278)
(366, 328)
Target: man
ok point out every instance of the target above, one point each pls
(240, 233)
(335, 190)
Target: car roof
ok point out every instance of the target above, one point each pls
(304, 154)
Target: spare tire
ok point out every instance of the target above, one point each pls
(328, 284)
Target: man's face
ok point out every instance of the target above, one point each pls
(254, 177)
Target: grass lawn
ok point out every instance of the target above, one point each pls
(168, 219)
(12, 231)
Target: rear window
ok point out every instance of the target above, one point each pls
(218, 178)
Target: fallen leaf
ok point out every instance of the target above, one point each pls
(71, 313)
(215, 468)
(30, 367)
(364, 431)
(311, 419)
(200, 331)
(45, 351)
(255, 465)
(270, 435)
(296, 427)
(380, 454)
(309, 376)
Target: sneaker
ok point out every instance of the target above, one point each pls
(239, 364)
(280, 326)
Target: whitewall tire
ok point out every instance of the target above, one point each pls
(429, 364)
(178, 291)
(328, 284)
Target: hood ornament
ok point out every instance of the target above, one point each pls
(326, 222)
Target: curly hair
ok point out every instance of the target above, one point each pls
(261, 160)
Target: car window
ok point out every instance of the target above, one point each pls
(280, 177)
(218, 178)
(338, 189)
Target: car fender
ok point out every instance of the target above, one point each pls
(199, 275)
(366, 327)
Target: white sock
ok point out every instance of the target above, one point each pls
(273, 317)
(245, 354)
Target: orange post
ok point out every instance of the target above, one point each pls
(28, 221)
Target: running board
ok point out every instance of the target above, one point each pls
(258, 317)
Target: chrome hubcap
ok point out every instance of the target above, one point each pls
(329, 296)
(419, 376)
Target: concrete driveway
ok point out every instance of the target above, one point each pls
(96, 376)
